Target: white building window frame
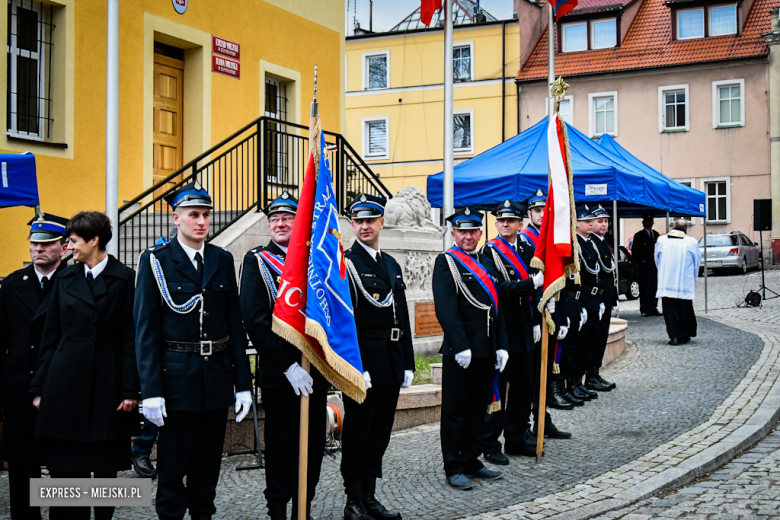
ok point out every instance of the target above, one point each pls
(677, 22)
(662, 108)
(563, 35)
(470, 45)
(470, 113)
(592, 32)
(716, 85)
(703, 183)
(592, 112)
(568, 98)
(692, 181)
(364, 123)
(372, 54)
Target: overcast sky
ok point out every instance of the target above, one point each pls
(387, 13)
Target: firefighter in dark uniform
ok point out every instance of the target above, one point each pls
(465, 295)
(609, 283)
(280, 376)
(191, 352)
(579, 308)
(513, 419)
(24, 300)
(385, 340)
(643, 255)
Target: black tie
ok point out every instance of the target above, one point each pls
(90, 277)
(44, 282)
(199, 262)
(378, 257)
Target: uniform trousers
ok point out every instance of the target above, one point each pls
(189, 444)
(515, 414)
(537, 374)
(282, 427)
(19, 476)
(81, 513)
(464, 401)
(142, 444)
(647, 277)
(598, 345)
(575, 344)
(367, 429)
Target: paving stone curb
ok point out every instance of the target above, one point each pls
(744, 418)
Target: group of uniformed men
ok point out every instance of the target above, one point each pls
(192, 320)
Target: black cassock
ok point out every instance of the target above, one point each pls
(680, 318)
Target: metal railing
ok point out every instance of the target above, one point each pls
(244, 172)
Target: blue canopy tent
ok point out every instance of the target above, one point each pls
(516, 168)
(18, 181)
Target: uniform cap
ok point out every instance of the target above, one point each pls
(466, 218)
(191, 194)
(600, 212)
(584, 212)
(536, 200)
(367, 206)
(284, 203)
(47, 228)
(509, 209)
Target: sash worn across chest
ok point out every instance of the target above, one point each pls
(509, 253)
(266, 259)
(532, 235)
(478, 270)
(274, 262)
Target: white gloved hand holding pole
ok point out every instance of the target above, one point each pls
(583, 318)
(564, 329)
(243, 403)
(300, 380)
(154, 410)
(408, 378)
(602, 310)
(463, 358)
(502, 356)
(551, 305)
(367, 379)
(537, 333)
(538, 279)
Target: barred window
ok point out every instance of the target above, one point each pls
(30, 31)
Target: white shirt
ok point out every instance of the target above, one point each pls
(677, 257)
(191, 253)
(41, 275)
(97, 269)
(280, 246)
(371, 251)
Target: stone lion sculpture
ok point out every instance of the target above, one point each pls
(409, 209)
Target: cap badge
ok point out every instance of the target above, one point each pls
(41, 216)
(507, 203)
(376, 296)
(285, 195)
(467, 212)
(586, 207)
(363, 198)
(197, 186)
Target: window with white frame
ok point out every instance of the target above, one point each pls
(603, 114)
(376, 141)
(462, 65)
(728, 103)
(723, 20)
(566, 109)
(603, 33)
(717, 191)
(691, 183)
(673, 108)
(376, 70)
(463, 131)
(593, 34)
(690, 23)
(29, 49)
(575, 37)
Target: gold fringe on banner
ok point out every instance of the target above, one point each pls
(556, 368)
(536, 263)
(341, 374)
(494, 407)
(575, 247)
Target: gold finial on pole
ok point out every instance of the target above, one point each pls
(558, 90)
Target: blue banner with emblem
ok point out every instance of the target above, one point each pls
(18, 180)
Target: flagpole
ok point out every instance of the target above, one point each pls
(303, 435)
(449, 177)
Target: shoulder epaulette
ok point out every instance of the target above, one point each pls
(348, 253)
(158, 247)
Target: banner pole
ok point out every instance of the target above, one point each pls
(542, 393)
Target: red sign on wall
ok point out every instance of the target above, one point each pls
(225, 47)
(225, 66)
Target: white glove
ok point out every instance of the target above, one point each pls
(551, 305)
(564, 329)
(538, 279)
(408, 378)
(154, 410)
(537, 333)
(464, 358)
(502, 356)
(300, 380)
(583, 318)
(602, 310)
(616, 308)
(243, 403)
(367, 379)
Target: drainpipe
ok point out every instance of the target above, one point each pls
(112, 124)
(503, 81)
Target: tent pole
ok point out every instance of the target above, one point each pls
(449, 176)
(667, 222)
(706, 296)
(615, 247)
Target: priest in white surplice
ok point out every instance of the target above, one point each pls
(677, 257)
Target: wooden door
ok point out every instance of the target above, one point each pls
(168, 115)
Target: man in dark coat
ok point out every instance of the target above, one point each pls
(385, 340)
(24, 300)
(642, 253)
(280, 376)
(466, 298)
(192, 361)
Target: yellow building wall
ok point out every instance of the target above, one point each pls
(414, 103)
(291, 34)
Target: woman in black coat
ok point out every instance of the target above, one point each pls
(86, 384)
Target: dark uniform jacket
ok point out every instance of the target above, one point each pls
(86, 365)
(257, 308)
(607, 280)
(575, 297)
(643, 248)
(23, 307)
(385, 360)
(515, 301)
(466, 327)
(189, 381)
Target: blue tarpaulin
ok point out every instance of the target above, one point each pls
(18, 181)
(516, 168)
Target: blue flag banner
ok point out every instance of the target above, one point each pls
(18, 181)
(329, 315)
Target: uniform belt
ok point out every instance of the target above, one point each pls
(586, 289)
(204, 348)
(393, 334)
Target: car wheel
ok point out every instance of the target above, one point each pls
(743, 267)
(633, 290)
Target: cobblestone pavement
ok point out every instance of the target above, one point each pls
(671, 404)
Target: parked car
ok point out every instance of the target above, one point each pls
(733, 251)
(628, 283)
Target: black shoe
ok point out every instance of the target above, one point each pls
(574, 400)
(520, 451)
(377, 511)
(592, 382)
(581, 388)
(497, 458)
(143, 466)
(487, 474)
(644, 314)
(277, 510)
(655, 312)
(674, 341)
(355, 510)
(602, 380)
(555, 398)
(576, 389)
(552, 432)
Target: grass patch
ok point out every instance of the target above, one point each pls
(422, 366)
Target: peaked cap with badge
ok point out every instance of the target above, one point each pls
(47, 228)
(191, 194)
(584, 212)
(509, 209)
(600, 212)
(537, 200)
(284, 203)
(466, 218)
(367, 206)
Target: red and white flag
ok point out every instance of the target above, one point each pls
(427, 8)
(556, 253)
